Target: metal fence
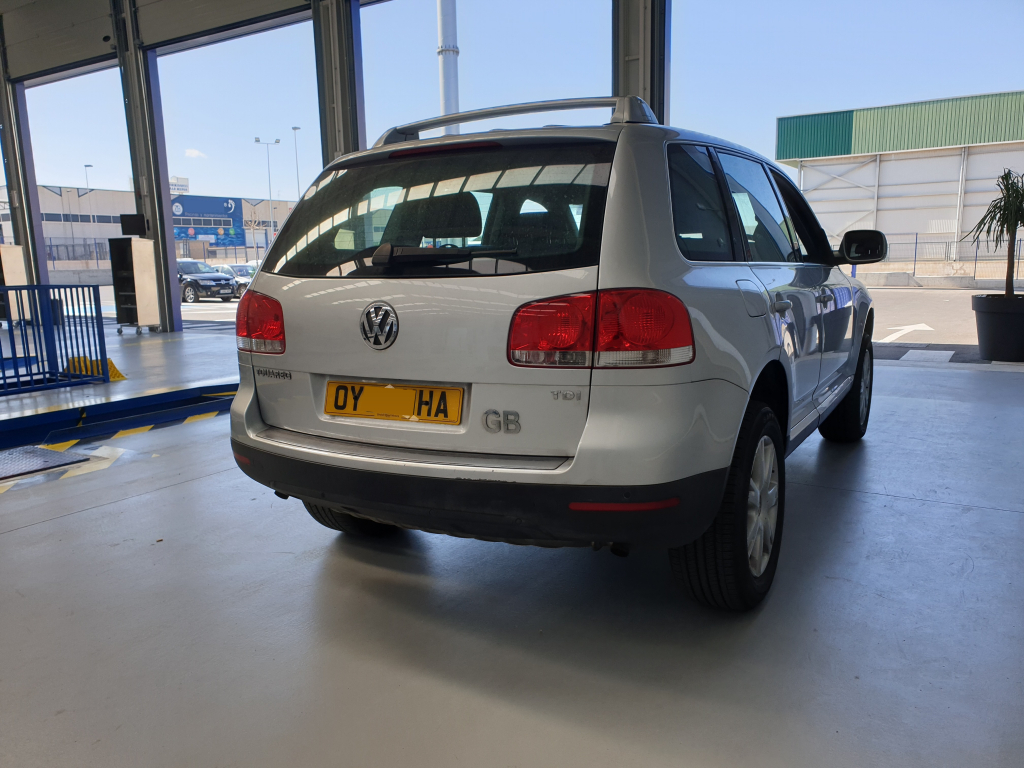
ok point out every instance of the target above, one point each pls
(52, 336)
(928, 255)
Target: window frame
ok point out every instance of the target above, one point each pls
(767, 169)
(802, 213)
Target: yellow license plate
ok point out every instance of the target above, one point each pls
(434, 405)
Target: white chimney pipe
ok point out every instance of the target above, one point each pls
(448, 60)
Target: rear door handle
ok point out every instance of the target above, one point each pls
(782, 305)
(824, 298)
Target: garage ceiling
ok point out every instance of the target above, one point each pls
(52, 36)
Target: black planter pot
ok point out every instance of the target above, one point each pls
(1000, 327)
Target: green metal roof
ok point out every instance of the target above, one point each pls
(921, 125)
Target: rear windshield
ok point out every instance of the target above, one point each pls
(489, 210)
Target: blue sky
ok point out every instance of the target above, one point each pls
(736, 66)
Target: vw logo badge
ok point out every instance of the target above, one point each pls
(379, 325)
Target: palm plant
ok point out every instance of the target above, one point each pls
(1002, 219)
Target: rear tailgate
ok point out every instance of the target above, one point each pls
(453, 334)
(475, 235)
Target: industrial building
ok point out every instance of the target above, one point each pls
(77, 224)
(923, 173)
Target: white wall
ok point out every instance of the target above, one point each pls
(918, 191)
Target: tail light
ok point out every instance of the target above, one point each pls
(259, 324)
(632, 328)
(640, 327)
(553, 332)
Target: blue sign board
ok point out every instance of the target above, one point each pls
(218, 220)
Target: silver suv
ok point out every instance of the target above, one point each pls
(603, 336)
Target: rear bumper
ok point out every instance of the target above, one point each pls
(524, 513)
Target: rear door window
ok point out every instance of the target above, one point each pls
(698, 211)
(760, 214)
(483, 210)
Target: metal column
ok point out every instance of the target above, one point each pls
(339, 76)
(641, 48)
(20, 172)
(140, 83)
(964, 155)
(448, 60)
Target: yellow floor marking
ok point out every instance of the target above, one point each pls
(220, 394)
(136, 431)
(59, 446)
(102, 457)
(200, 417)
(5, 486)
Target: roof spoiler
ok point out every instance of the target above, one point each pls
(628, 109)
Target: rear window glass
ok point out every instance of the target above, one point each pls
(702, 229)
(487, 211)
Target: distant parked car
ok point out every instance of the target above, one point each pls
(199, 280)
(241, 272)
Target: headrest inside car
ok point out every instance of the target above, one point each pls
(442, 217)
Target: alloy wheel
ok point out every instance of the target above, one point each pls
(762, 506)
(865, 385)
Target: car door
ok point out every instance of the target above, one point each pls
(835, 296)
(793, 285)
(733, 307)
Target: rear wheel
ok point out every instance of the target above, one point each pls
(732, 565)
(849, 421)
(338, 520)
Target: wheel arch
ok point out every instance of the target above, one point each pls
(772, 389)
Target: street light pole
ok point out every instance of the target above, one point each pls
(270, 188)
(298, 188)
(91, 217)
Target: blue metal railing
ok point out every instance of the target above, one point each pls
(52, 337)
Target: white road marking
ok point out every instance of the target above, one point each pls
(903, 330)
(106, 456)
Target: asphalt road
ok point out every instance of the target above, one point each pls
(946, 311)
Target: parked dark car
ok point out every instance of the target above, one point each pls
(241, 272)
(201, 281)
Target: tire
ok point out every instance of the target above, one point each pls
(730, 566)
(849, 421)
(189, 294)
(226, 298)
(337, 520)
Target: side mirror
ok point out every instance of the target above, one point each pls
(863, 246)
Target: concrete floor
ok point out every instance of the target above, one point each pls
(153, 363)
(167, 611)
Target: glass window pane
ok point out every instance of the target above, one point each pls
(525, 208)
(760, 214)
(701, 224)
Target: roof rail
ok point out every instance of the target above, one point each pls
(628, 109)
